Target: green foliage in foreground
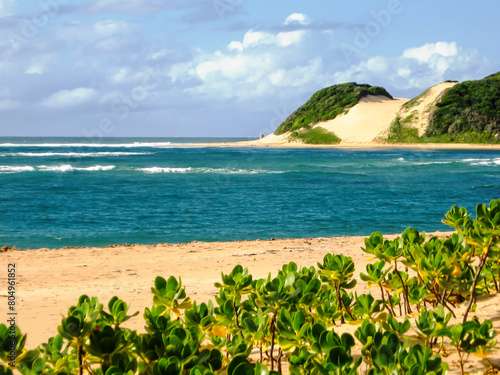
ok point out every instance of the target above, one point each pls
(471, 106)
(293, 315)
(315, 136)
(328, 103)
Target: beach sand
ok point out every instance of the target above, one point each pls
(49, 281)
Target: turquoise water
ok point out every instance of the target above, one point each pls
(57, 192)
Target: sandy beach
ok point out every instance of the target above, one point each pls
(49, 281)
(52, 280)
(282, 143)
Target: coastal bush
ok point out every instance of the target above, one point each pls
(328, 103)
(316, 136)
(255, 325)
(471, 106)
(401, 131)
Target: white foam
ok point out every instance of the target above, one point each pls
(423, 162)
(97, 145)
(97, 168)
(483, 162)
(231, 171)
(74, 154)
(204, 170)
(432, 162)
(165, 170)
(57, 168)
(11, 169)
(70, 168)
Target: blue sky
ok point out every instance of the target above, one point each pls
(231, 68)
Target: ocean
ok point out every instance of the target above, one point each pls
(57, 192)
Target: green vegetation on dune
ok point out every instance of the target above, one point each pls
(416, 100)
(468, 112)
(471, 106)
(402, 132)
(402, 328)
(328, 103)
(315, 136)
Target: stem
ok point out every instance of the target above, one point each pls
(437, 296)
(486, 285)
(476, 279)
(273, 329)
(385, 303)
(460, 355)
(495, 281)
(80, 358)
(236, 317)
(345, 306)
(279, 360)
(405, 291)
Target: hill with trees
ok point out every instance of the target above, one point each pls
(326, 104)
(450, 112)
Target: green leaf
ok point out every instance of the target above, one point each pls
(299, 321)
(39, 365)
(290, 279)
(339, 357)
(160, 284)
(235, 362)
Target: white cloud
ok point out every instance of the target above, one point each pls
(158, 54)
(6, 7)
(69, 98)
(420, 67)
(7, 104)
(263, 64)
(105, 35)
(110, 27)
(35, 69)
(253, 66)
(258, 38)
(254, 39)
(286, 39)
(124, 6)
(297, 18)
(235, 46)
(299, 75)
(431, 50)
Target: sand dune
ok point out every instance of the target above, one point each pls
(366, 120)
(423, 106)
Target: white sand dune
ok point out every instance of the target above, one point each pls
(366, 120)
(421, 110)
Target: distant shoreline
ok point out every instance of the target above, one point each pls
(419, 146)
